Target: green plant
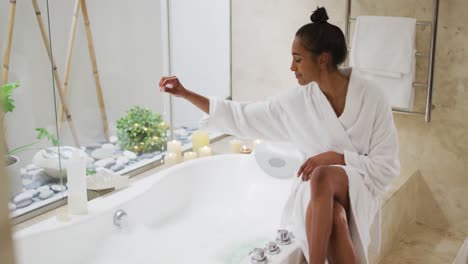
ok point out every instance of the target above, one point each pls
(9, 105)
(141, 131)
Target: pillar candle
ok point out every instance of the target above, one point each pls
(174, 146)
(200, 139)
(204, 151)
(190, 155)
(171, 158)
(235, 146)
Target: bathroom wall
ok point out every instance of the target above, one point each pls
(262, 35)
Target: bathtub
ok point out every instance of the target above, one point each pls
(209, 210)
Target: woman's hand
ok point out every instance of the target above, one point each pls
(323, 159)
(172, 85)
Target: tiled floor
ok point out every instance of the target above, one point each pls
(426, 245)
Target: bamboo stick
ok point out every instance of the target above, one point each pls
(92, 54)
(6, 58)
(56, 75)
(71, 41)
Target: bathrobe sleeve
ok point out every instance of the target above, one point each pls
(263, 120)
(381, 165)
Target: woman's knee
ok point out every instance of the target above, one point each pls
(319, 180)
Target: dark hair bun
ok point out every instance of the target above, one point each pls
(319, 15)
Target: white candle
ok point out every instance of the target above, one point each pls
(255, 143)
(174, 146)
(200, 139)
(204, 151)
(171, 158)
(235, 146)
(190, 155)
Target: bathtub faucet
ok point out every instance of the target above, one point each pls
(120, 218)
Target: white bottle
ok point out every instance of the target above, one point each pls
(76, 178)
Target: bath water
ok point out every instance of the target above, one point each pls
(209, 235)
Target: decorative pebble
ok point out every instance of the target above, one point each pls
(122, 159)
(32, 167)
(117, 167)
(27, 177)
(83, 149)
(102, 153)
(33, 192)
(108, 146)
(23, 171)
(93, 146)
(22, 197)
(58, 188)
(43, 188)
(105, 163)
(130, 155)
(113, 139)
(46, 194)
(39, 180)
(24, 204)
(147, 155)
(11, 206)
(36, 199)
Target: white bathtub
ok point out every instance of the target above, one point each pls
(210, 210)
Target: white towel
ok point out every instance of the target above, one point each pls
(383, 45)
(383, 50)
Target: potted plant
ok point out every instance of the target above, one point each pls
(141, 131)
(12, 161)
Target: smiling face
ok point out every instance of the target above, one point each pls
(305, 65)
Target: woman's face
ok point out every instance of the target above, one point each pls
(303, 64)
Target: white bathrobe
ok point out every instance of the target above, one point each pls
(364, 133)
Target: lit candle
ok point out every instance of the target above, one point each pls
(174, 146)
(255, 143)
(171, 158)
(204, 151)
(199, 139)
(235, 146)
(190, 155)
(245, 150)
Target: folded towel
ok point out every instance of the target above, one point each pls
(383, 45)
(399, 91)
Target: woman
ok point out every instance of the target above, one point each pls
(342, 123)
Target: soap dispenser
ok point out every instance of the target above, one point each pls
(76, 179)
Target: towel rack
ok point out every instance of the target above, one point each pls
(431, 54)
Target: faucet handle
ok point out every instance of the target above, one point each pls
(272, 248)
(258, 256)
(283, 237)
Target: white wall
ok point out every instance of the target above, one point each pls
(200, 52)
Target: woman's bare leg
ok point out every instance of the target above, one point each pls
(327, 185)
(340, 249)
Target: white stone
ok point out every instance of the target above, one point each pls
(33, 192)
(48, 159)
(22, 197)
(23, 171)
(102, 153)
(129, 155)
(106, 163)
(24, 203)
(117, 167)
(83, 149)
(11, 206)
(31, 167)
(46, 194)
(122, 159)
(43, 188)
(108, 146)
(113, 139)
(58, 188)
